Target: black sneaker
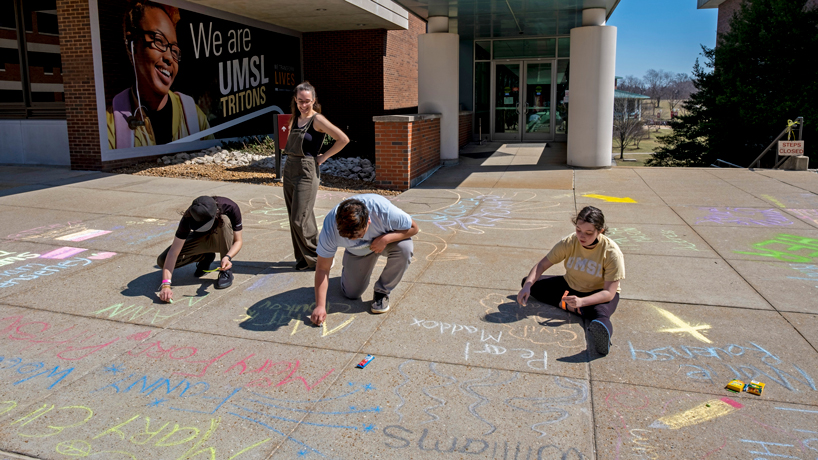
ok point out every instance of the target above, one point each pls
(225, 279)
(302, 265)
(204, 265)
(380, 303)
(601, 337)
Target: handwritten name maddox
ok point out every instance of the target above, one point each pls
(245, 77)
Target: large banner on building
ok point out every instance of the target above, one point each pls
(173, 75)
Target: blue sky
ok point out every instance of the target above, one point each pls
(661, 34)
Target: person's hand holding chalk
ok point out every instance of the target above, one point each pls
(227, 263)
(572, 302)
(319, 315)
(562, 301)
(166, 294)
(522, 296)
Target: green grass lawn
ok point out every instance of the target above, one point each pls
(639, 157)
(645, 145)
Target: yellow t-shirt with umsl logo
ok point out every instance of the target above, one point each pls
(587, 270)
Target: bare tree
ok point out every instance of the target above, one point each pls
(632, 84)
(656, 85)
(640, 136)
(626, 124)
(678, 90)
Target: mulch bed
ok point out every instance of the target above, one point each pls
(245, 174)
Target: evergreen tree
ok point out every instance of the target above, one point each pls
(755, 80)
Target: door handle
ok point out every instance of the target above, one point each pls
(517, 107)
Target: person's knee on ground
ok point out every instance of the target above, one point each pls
(354, 292)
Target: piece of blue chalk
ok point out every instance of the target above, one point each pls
(365, 361)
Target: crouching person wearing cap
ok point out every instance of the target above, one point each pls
(368, 226)
(209, 225)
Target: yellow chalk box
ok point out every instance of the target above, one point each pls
(754, 387)
(735, 385)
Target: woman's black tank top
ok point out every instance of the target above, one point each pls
(313, 140)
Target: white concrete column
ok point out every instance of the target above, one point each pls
(590, 110)
(439, 87)
(437, 24)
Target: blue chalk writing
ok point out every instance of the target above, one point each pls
(724, 354)
(289, 438)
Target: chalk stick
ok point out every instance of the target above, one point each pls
(562, 303)
(365, 361)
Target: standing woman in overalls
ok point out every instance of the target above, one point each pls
(301, 171)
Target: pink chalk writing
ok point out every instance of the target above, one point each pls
(62, 253)
(809, 215)
(184, 354)
(83, 235)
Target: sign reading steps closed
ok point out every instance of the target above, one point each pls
(790, 148)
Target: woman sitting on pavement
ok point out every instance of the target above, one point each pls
(209, 225)
(594, 266)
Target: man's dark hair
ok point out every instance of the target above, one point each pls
(351, 217)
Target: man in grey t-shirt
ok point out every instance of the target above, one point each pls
(367, 226)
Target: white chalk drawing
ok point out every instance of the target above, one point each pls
(441, 401)
(474, 395)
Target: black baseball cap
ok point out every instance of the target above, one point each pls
(203, 212)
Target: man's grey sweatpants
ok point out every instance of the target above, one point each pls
(357, 269)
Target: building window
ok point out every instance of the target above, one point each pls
(482, 51)
(564, 47)
(526, 48)
(31, 84)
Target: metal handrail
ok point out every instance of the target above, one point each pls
(727, 163)
(778, 162)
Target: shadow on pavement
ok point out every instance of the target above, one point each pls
(545, 315)
(147, 285)
(279, 310)
(511, 312)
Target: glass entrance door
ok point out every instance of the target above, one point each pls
(506, 101)
(537, 113)
(523, 101)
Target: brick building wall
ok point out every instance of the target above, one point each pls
(728, 7)
(400, 66)
(726, 11)
(78, 81)
(406, 150)
(359, 74)
(346, 68)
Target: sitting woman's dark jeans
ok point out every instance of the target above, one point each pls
(550, 291)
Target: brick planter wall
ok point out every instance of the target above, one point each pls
(407, 149)
(464, 128)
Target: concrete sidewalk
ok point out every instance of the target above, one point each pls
(722, 276)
